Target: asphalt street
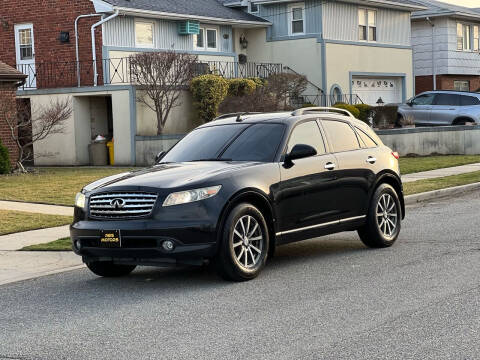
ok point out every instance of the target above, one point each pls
(327, 298)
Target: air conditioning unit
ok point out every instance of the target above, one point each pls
(188, 27)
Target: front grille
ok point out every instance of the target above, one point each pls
(122, 205)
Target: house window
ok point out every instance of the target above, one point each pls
(467, 37)
(253, 7)
(206, 39)
(467, 45)
(144, 33)
(367, 25)
(25, 44)
(461, 85)
(297, 18)
(476, 38)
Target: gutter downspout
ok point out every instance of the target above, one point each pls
(76, 43)
(434, 67)
(94, 53)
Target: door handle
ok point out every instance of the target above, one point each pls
(330, 166)
(371, 160)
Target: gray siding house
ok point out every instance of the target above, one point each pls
(446, 47)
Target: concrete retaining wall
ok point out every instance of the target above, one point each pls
(147, 147)
(446, 140)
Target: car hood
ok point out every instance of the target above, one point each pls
(171, 175)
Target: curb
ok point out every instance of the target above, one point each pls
(438, 194)
(41, 274)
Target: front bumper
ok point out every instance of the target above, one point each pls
(141, 242)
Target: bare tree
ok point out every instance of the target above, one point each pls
(286, 86)
(161, 77)
(26, 127)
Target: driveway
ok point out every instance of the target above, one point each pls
(328, 298)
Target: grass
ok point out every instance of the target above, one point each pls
(410, 165)
(64, 244)
(51, 185)
(17, 221)
(420, 186)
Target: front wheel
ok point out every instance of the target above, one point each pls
(244, 245)
(109, 269)
(383, 220)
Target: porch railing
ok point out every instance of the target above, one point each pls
(326, 100)
(117, 71)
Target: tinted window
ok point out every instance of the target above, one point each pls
(257, 143)
(341, 136)
(469, 100)
(307, 133)
(426, 99)
(367, 141)
(447, 100)
(203, 143)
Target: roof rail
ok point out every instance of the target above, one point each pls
(224, 116)
(322, 109)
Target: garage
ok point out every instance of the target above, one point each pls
(371, 89)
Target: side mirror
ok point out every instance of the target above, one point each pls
(410, 103)
(300, 151)
(159, 156)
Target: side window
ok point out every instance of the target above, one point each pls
(341, 136)
(367, 140)
(426, 99)
(307, 133)
(447, 100)
(469, 100)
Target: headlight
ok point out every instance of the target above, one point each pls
(188, 196)
(80, 200)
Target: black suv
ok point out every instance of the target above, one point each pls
(234, 189)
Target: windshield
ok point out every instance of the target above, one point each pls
(233, 142)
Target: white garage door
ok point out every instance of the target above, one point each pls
(371, 89)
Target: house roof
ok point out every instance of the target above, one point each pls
(201, 9)
(438, 8)
(8, 73)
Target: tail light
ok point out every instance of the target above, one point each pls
(395, 155)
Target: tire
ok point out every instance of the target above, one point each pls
(242, 258)
(109, 269)
(382, 231)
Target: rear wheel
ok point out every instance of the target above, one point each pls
(109, 269)
(383, 220)
(244, 245)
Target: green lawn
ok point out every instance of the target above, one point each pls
(420, 186)
(51, 185)
(64, 244)
(410, 165)
(17, 221)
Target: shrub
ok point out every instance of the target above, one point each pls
(353, 110)
(385, 116)
(307, 105)
(241, 87)
(258, 81)
(4, 160)
(364, 112)
(208, 92)
(261, 100)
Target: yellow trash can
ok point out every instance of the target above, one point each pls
(111, 152)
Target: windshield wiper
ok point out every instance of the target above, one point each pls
(212, 159)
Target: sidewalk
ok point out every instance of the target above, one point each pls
(36, 208)
(432, 174)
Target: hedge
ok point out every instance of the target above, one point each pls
(365, 111)
(241, 87)
(353, 110)
(208, 92)
(5, 166)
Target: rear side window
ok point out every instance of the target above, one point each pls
(307, 133)
(365, 139)
(341, 136)
(447, 99)
(469, 100)
(257, 143)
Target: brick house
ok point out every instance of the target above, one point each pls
(10, 79)
(446, 47)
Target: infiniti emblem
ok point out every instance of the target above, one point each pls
(117, 203)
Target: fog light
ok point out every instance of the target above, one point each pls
(77, 244)
(168, 245)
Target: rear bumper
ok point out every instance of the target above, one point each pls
(141, 242)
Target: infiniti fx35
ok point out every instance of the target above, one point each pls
(235, 188)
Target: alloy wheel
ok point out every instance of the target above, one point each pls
(248, 242)
(387, 215)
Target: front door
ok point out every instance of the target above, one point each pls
(306, 196)
(420, 108)
(25, 53)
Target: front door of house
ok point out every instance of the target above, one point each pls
(25, 53)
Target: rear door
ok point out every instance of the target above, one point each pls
(25, 53)
(307, 193)
(354, 176)
(445, 109)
